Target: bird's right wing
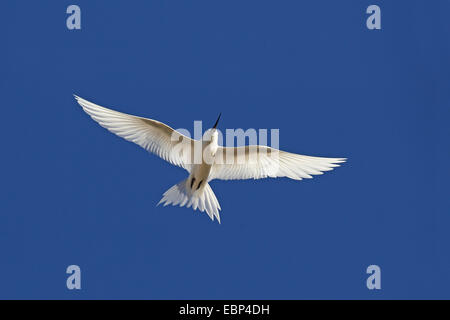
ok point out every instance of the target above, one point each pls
(257, 162)
(151, 135)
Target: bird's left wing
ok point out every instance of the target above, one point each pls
(256, 162)
(151, 135)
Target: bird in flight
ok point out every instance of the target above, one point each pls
(204, 159)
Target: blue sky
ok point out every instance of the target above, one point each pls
(73, 193)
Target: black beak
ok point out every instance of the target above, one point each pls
(217, 121)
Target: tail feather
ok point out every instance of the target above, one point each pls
(203, 199)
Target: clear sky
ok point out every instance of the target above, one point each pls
(73, 193)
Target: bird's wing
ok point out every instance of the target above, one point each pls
(151, 135)
(257, 162)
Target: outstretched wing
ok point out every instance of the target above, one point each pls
(151, 135)
(257, 162)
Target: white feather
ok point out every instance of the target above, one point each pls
(203, 200)
(257, 162)
(151, 135)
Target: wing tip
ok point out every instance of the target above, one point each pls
(338, 160)
(79, 100)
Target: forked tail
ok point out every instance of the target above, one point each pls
(203, 199)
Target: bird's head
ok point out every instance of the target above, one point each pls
(214, 132)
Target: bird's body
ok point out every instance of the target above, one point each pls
(200, 172)
(205, 160)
